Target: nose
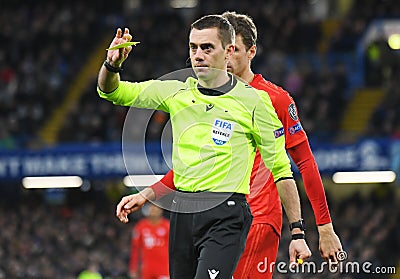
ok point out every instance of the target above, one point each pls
(198, 54)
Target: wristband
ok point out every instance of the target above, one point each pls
(112, 68)
(298, 236)
(299, 224)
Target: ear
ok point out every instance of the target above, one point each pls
(251, 53)
(229, 51)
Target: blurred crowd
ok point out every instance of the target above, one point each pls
(44, 44)
(318, 88)
(385, 121)
(357, 18)
(367, 232)
(39, 239)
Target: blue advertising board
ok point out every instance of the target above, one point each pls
(108, 160)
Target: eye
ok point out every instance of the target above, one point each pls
(193, 48)
(207, 48)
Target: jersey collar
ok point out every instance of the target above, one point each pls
(219, 90)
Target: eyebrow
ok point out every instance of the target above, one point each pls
(202, 46)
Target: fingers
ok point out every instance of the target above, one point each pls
(292, 258)
(304, 254)
(334, 256)
(330, 246)
(122, 203)
(127, 36)
(332, 260)
(121, 212)
(298, 251)
(123, 217)
(132, 205)
(127, 205)
(119, 33)
(122, 53)
(330, 254)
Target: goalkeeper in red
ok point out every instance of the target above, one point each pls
(263, 239)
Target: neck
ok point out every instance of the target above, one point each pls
(218, 81)
(155, 220)
(247, 75)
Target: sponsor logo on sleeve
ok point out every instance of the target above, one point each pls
(279, 132)
(221, 131)
(295, 128)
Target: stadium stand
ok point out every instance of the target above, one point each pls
(44, 240)
(385, 121)
(367, 233)
(317, 83)
(43, 46)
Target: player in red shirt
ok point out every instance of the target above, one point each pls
(263, 239)
(149, 248)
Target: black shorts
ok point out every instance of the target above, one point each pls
(207, 244)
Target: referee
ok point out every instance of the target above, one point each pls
(217, 123)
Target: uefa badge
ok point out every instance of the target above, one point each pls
(221, 131)
(293, 112)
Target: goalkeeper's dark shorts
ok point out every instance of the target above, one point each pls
(207, 244)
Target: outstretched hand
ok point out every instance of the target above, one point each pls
(118, 56)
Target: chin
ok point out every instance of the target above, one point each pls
(202, 71)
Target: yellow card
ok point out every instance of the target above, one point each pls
(126, 44)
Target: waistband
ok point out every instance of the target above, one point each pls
(183, 195)
(196, 202)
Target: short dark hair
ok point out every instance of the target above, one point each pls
(244, 26)
(226, 33)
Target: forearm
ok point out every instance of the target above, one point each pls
(148, 194)
(107, 80)
(290, 199)
(305, 162)
(327, 234)
(165, 186)
(325, 229)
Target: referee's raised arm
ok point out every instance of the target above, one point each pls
(109, 78)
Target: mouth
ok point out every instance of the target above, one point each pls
(201, 69)
(200, 66)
